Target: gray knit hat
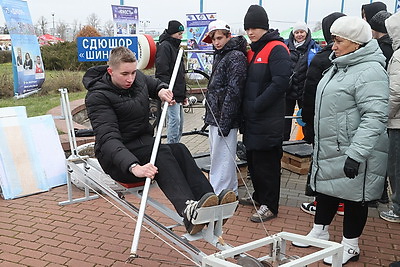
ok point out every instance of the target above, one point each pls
(377, 22)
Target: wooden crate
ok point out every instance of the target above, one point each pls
(297, 158)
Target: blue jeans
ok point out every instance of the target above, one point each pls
(174, 123)
(393, 169)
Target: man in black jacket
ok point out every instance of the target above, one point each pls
(268, 75)
(167, 51)
(117, 103)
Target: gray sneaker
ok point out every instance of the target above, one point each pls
(190, 212)
(390, 216)
(248, 201)
(263, 214)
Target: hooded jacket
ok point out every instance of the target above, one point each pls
(226, 85)
(120, 119)
(167, 51)
(393, 27)
(371, 9)
(318, 65)
(301, 58)
(350, 121)
(264, 94)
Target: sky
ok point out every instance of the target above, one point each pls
(156, 13)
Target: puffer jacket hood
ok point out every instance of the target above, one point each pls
(236, 43)
(327, 23)
(369, 53)
(393, 28)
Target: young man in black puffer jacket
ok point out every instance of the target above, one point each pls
(224, 98)
(117, 103)
(167, 51)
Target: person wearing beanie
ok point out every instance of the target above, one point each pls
(167, 52)
(369, 10)
(318, 65)
(223, 103)
(393, 168)
(263, 106)
(302, 50)
(350, 131)
(379, 33)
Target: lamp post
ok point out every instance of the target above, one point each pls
(54, 29)
(201, 6)
(144, 23)
(306, 15)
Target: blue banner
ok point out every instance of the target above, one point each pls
(126, 20)
(98, 48)
(27, 61)
(197, 28)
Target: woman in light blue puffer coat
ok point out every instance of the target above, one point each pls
(351, 144)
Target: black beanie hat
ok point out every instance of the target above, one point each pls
(327, 23)
(377, 22)
(371, 9)
(256, 18)
(175, 26)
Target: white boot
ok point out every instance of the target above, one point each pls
(318, 231)
(351, 251)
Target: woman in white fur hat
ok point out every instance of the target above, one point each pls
(351, 143)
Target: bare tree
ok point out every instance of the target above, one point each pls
(76, 27)
(94, 21)
(318, 26)
(108, 28)
(61, 30)
(41, 25)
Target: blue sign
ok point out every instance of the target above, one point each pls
(126, 20)
(98, 48)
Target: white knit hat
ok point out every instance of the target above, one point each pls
(300, 26)
(351, 28)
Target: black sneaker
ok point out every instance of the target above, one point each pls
(248, 201)
(190, 212)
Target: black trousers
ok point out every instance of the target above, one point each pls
(290, 104)
(265, 172)
(178, 175)
(355, 214)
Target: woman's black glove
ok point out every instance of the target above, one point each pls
(351, 168)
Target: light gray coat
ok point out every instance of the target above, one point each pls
(350, 121)
(393, 28)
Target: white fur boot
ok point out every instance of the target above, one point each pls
(318, 231)
(351, 251)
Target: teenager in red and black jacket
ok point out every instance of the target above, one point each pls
(264, 110)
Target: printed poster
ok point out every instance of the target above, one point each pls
(26, 57)
(126, 20)
(197, 28)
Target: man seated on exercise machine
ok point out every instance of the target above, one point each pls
(117, 103)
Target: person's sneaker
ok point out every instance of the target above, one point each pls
(340, 209)
(248, 201)
(309, 207)
(226, 196)
(190, 212)
(263, 214)
(390, 216)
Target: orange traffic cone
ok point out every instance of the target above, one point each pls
(299, 135)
